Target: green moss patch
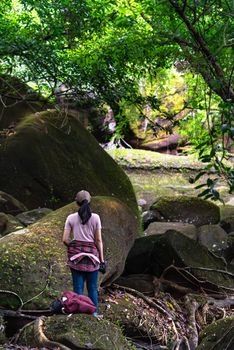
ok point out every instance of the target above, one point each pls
(187, 209)
(148, 160)
(218, 335)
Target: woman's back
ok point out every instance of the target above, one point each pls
(84, 232)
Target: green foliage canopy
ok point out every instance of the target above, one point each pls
(105, 45)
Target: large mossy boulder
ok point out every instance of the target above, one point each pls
(75, 332)
(52, 156)
(191, 210)
(181, 257)
(36, 258)
(218, 336)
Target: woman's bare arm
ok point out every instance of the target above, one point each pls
(66, 236)
(99, 244)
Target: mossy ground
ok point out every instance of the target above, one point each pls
(148, 160)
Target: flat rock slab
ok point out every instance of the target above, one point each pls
(159, 228)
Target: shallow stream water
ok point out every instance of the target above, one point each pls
(152, 184)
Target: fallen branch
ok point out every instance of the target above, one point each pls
(188, 276)
(210, 269)
(172, 285)
(221, 303)
(11, 313)
(192, 307)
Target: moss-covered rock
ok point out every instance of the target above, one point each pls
(213, 237)
(75, 332)
(32, 216)
(8, 223)
(31, 258)
(218, 336)
(52, 156)
(149, 160)
(154, 254)
(187, 209)
(10, 205)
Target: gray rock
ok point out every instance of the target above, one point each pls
(231, 202)
(30, 217)
(165, 254)
(229, 251)
(213, 237)
(159, 228)
(10, 205)
(3, 222)
(9, 223)
(228, 224)
(141, 282)
(150, 216)
(16, 233)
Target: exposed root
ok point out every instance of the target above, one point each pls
(41, 337)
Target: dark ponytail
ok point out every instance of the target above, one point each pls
(84, 211)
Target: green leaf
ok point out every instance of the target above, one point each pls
(200, 186)
(203, 193)
(199, 175)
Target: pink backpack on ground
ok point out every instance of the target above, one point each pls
(77, 304)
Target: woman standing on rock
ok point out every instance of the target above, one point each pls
(82, 236)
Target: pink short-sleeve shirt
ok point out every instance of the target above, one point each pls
(82, 232)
